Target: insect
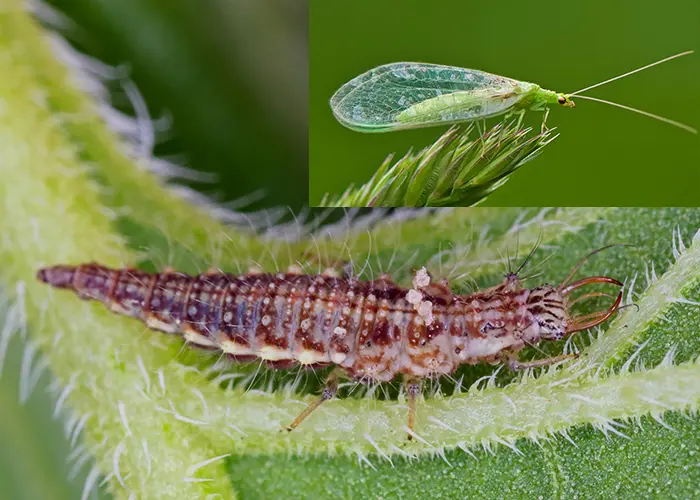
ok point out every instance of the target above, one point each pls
(371, 331)
(411, 95)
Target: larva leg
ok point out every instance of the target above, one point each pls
(328, 392)
(413, 389)
(514, 364)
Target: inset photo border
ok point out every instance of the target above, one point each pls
(485, 68)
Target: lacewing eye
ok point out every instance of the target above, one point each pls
(562, 100)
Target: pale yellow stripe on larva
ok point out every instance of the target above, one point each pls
(199, 339)
(156, 324)
(309, 357)
(272, 353)
(117, 308)
(231, 347)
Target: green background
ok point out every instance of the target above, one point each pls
(604, 157)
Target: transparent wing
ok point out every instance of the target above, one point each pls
(409, 95)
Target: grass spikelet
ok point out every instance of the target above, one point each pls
(459, 169)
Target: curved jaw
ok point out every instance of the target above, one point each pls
(594, 319)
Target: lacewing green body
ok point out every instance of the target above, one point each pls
(410, 95)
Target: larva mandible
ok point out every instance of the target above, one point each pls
(370, 330)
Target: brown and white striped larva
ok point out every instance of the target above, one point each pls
(370, 330)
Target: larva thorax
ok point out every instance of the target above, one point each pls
(374, 330)
(506, 318)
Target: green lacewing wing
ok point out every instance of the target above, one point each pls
(410, 95)
(407, 95)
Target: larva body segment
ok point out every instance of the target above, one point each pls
(373, 330)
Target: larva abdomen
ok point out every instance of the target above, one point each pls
(277, 317)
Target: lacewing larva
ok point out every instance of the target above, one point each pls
(372, 331)
(406, 95)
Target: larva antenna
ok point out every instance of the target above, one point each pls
(645, 113)
(618, 77)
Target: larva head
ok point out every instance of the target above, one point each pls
(550, 309)
(546, 314)
(565, 100)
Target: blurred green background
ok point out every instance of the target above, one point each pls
(604, 157)
(231, 76)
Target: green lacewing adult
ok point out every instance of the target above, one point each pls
(406, 95)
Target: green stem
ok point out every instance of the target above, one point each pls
(53, 212)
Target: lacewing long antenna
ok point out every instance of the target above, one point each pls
(633, 71)
(645, 113)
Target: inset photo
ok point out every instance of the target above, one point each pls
(457, 104)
